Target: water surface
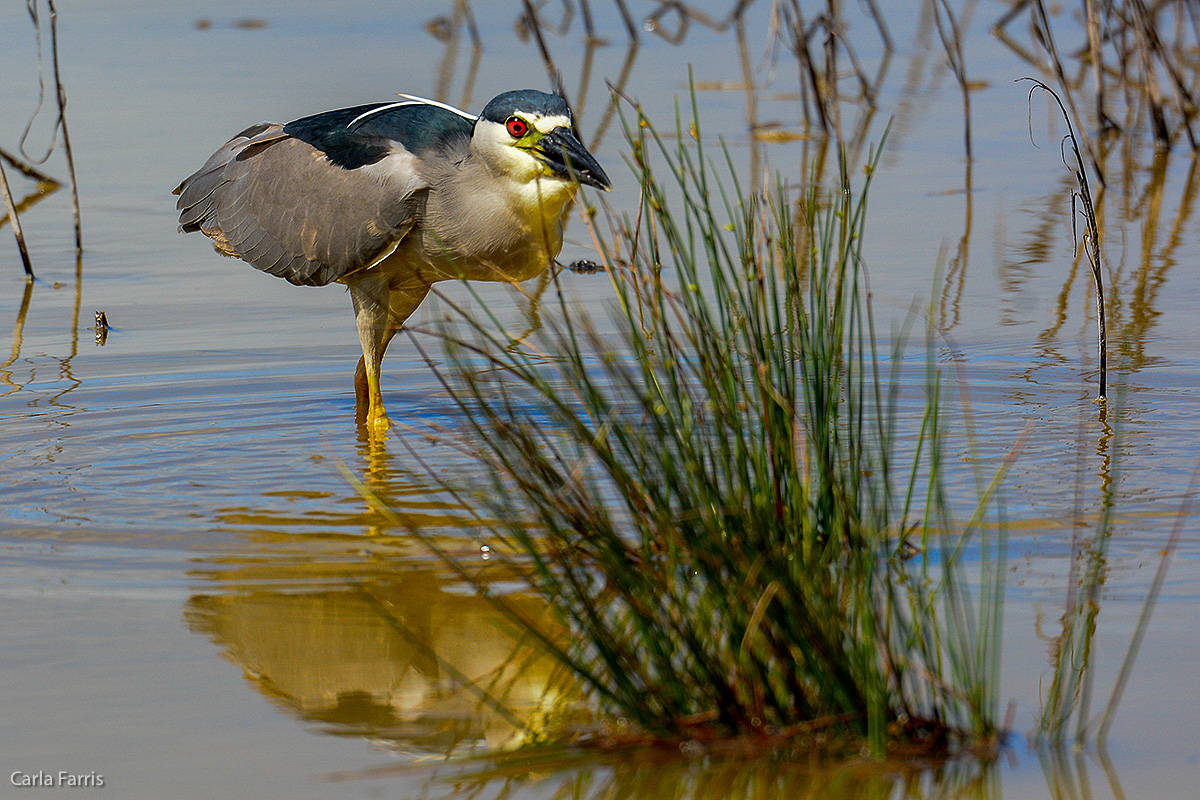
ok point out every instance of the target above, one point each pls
(196, 601)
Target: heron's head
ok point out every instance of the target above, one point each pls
(529, 135)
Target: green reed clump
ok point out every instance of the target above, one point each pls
(712, 499)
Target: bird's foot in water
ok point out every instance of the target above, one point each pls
(371, 417)
(376, 420)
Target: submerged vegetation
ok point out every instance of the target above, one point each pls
(717, 503)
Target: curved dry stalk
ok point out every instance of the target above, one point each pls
(1091, 234)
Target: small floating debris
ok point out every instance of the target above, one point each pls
(101, 328)
(774, 132)
(721, 86)
(244, 24)
(585, 267)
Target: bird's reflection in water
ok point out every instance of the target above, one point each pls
(390, 649)
(347, 620)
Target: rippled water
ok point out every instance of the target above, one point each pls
(198, 603)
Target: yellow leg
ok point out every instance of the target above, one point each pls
(379, 311)
(370, 295)
(377, 418)
(369, 408)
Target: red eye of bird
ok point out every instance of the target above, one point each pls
(516, 127)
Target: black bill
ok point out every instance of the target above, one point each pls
(560, 150)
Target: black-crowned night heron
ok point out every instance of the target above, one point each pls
(390, 198)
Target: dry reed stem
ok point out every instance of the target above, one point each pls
(61, 98)
(16, 224)
(1091, 235)
(27, 169)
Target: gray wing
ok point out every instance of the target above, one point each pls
(279, 203)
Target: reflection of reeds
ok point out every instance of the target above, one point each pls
(827, 60)
(1140, 56)
(950, 32)
(639, 772)
(816, 44)
(6, 376)
(1068, 699)
(1156, 584)
(951, 36)
(721, 516)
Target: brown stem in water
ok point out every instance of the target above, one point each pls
(16, 223)
(1091, 234)
(61, 97)
(27, 169)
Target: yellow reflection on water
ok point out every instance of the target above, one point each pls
(388, 648)
(336, 614)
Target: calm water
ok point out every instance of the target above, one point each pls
(195, 601)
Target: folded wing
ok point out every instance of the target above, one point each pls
(317, 199)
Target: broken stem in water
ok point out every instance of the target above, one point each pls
(16, 224)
